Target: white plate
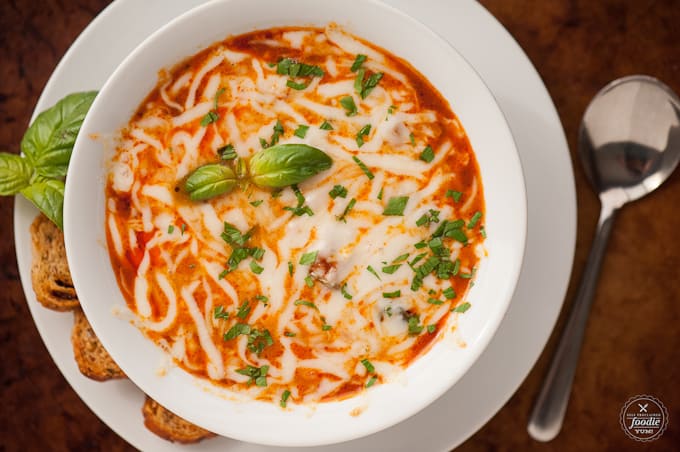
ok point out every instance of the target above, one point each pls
(537, 300)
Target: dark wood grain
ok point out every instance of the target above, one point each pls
(632, 343)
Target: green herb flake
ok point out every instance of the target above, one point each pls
(237, 330)
(243, 310)
(326, 327)
(309, 281)
(394, 294)
(171, 229)
(462, 307)
(297, 86)
(391, 109)
(412, 138)
(256, 268)
(349, 207)
(449, 293)
(220, 313)
(369, 367)
(474, 220)
(396, 206)
(390, 269)
(284, 398)
(420, 245)
(227, 152)
(257, 375)
(400, 258)
(371, 381)
(348, 104)
(183, 228)
(414, 326)
(435, 301)
(217, 97)
(289, 334)
(309, 304)
(372, 271)
(456, 195)
(223, 274)
(427, 155)
(338, 191)
(431, 328)
(468, 275)
(264, 143)
(369, 84)
(326, 126)
(262, 299)
(343, 291)
(256, 203)
(358, 61)
(257, 253)
(290, 268)
(482, 231)
(380, 194)
(301, 131)
(209, 118)
(363, 132)
(308, 258)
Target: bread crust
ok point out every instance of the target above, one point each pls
(169, 426)
(92, 358)
(50, 274)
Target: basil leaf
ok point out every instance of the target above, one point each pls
(48, 142)
(287, 164)
(15, 174)
(208, 181)
(48, 196)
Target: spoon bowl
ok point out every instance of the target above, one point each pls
(629, 143)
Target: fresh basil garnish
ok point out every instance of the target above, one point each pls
(209, 180)
(48, 196)
(287, 164)
(15, 174)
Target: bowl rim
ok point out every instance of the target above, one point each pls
(72, 236)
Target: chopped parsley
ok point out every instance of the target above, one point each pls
(431, 328)
(369, 367)
(290, 268)
(262, 298)
(363, 167)
(427, 155)
(171, 228)
(474, 220)
(432, 216)
(289, 334)
(372, 271)
(412, 138)
(300, 209)
(284, 398)
(288, 66)
(338, 191)
(256, 203)
(301, 131)
(209, 118)
(390, 269)
(309, 304)
(380, 194)
(400, 258)
(414, 326)
(183, 229)
(257, 375)
(255, 267)
(482, 231)
(435, 301)
(326, 327)
(309, 258)
(237, 330)
(243, 310)
(363, 132)
(309, 281)
(297, 86)
(227, 152)
(395, 294)
(456, 195)
(396, 206)
(461, 307)
(220, 313)
(363, 86)
(326, 126)
(348, 104)
(449, 293)
(349, 207)
(358, 61)
(343, 291)
(371, 381)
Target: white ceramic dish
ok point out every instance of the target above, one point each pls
(496, 375)
(423, 381)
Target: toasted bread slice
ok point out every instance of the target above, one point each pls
(169, 426)
(92, 358)
(51, 277)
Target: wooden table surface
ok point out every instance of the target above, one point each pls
(632, 344)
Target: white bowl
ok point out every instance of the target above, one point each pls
(429, 376)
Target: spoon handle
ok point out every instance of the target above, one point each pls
(550, 406)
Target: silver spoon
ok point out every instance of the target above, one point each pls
(629, 143)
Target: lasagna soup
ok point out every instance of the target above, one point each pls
(294, 292)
